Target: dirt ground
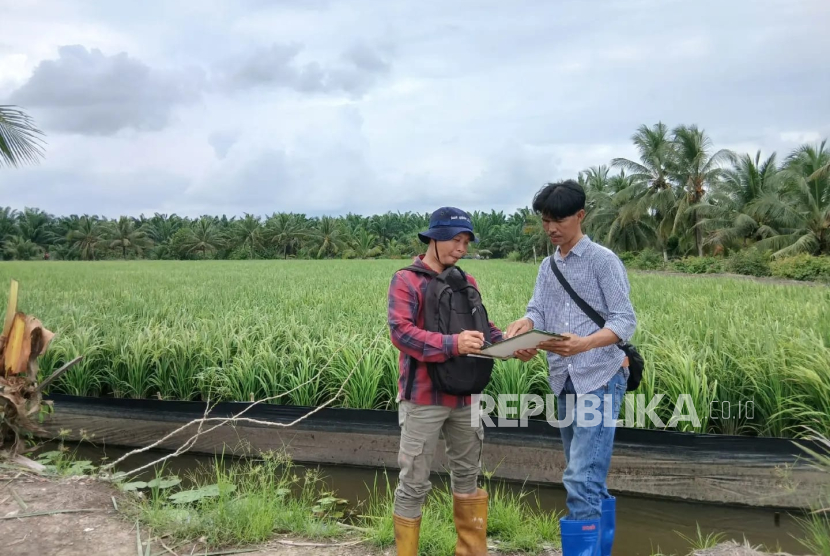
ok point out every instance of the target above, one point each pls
(100, 529)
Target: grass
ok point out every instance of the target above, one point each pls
(753, 358)
(514, 524)
(248, 502)
(240, 504)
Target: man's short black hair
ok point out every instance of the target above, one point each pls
(559, 200)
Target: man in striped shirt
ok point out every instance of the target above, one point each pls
(425, 411)
(587, 362)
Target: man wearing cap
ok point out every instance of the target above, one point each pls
(425, 411)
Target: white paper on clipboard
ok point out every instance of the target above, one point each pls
(506, 348)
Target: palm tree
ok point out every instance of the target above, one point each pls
(803, 208)
(248, 233)
(20, 139)
(35, 225)
(328, 237)
(365, 244)
(697, 172)
(731, 215)
(203, 236)
(285, 231)
(20, 248)
(8, 218)
(652, 192)
(123, 234)
(86, 237)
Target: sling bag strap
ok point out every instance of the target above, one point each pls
(587, 309)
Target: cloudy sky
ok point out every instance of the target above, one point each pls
(323, 107)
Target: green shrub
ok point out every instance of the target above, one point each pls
(802, 267)
(648, 259)
(698, 265)
(750, 262)
(627, 257)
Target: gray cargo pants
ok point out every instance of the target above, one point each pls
(420, 429)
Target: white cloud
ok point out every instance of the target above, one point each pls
(801, 136)
(86, 91)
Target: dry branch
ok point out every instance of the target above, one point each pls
(52, 512)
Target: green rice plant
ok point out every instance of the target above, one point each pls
(303, 377)
(362, 391)
(388, 385)
(241, 380)
(514, 379)
(132, 368)
(689, 392)
(271, 372)
(811, 376)
(816, 526)
(232, 329)
(85, 378)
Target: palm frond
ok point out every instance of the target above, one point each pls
(801, 241)
(20, 139)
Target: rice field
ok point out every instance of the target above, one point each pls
(753, 358)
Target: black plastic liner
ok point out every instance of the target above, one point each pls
(536, 432)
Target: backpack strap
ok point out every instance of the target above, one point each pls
(421, 270)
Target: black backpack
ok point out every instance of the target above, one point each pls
(451, 305)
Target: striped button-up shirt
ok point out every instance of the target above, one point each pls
(599, 277)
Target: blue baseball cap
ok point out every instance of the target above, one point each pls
(446, 223)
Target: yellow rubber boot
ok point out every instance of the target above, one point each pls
(470, 516)
(407, 532)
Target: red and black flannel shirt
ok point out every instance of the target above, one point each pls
(418, 346)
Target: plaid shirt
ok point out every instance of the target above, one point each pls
(418, 346)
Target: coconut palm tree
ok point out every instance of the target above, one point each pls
(20, 139)
(802, 210)
(203, 236)
(327, 237)
(285, 231)
(247, 234)
(731, 215)
(652, 192)
(697, 171)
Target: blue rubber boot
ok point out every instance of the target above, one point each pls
(608, 525)
(580, 538)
